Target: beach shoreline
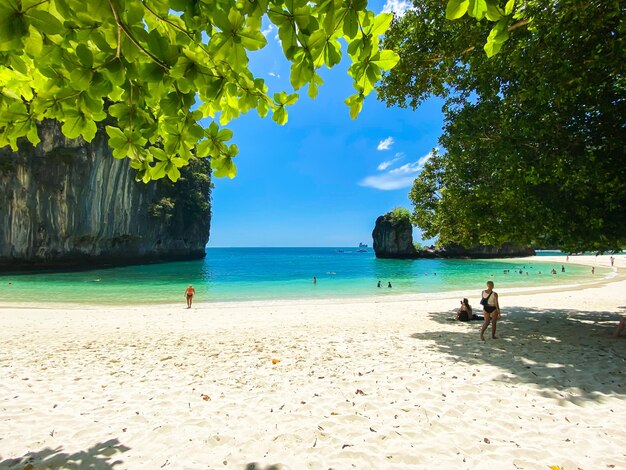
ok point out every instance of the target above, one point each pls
(387, 295)
(361, 383)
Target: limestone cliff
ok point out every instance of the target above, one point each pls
(68, 202)
(393, 237)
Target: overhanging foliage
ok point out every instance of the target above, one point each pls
(155, 68)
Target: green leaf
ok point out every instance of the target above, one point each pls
(498, 35)
(493, 12)
(33, 45)
(223, 166)
(173, 173)
(280, 116)
(252, 40)
(356, 104)
(477, 9)
(510, 6)
(351, 24)
(381, 24)
(13, 28)
(386, 59)
(77, 125)
(313, 86)
(44, 21)
(456, 9)
(84, 55)
(301, 70)
(332, 53)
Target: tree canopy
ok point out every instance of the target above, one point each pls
(152, 69)
(534, 139)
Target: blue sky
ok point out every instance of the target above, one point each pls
(323, 178)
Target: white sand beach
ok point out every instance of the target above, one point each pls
(366, 384)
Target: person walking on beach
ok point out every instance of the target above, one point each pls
(189, 293)
(491, 310)
(612, 261)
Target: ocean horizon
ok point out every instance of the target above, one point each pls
(232, 274)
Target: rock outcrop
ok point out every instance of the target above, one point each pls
(393, 237)
(69, 203)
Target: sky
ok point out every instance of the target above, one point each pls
(323, 178)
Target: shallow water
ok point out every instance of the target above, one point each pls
(228, 274)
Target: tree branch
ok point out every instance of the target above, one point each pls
(165, 20)
(132, 39)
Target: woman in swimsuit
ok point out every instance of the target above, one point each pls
(491, 310)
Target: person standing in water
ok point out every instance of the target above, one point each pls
(491, 310)
(189, 293)
(314, 280)
(389, 284)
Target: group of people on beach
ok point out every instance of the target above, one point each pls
(491, 310)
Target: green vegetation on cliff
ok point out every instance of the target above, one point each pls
(398, 214)
(187, 202)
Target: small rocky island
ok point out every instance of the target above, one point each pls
(69, 203)
(393, 238)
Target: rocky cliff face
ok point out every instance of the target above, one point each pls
(67, 202)
(393, 238)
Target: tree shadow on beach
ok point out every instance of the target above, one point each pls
(99, 456)
(570, 354)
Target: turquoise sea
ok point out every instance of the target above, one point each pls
(228, 274)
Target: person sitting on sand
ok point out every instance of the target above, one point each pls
(620, 328)
(189, 293)
(491, 310)
(464, 313)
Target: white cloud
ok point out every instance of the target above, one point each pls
(399, 7)
(387, 163)
(387, 182)
(385, 144)
(267, 30)
(397, 178)
(272, 74)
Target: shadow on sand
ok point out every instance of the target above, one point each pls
(569, 354)
(99, 456)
